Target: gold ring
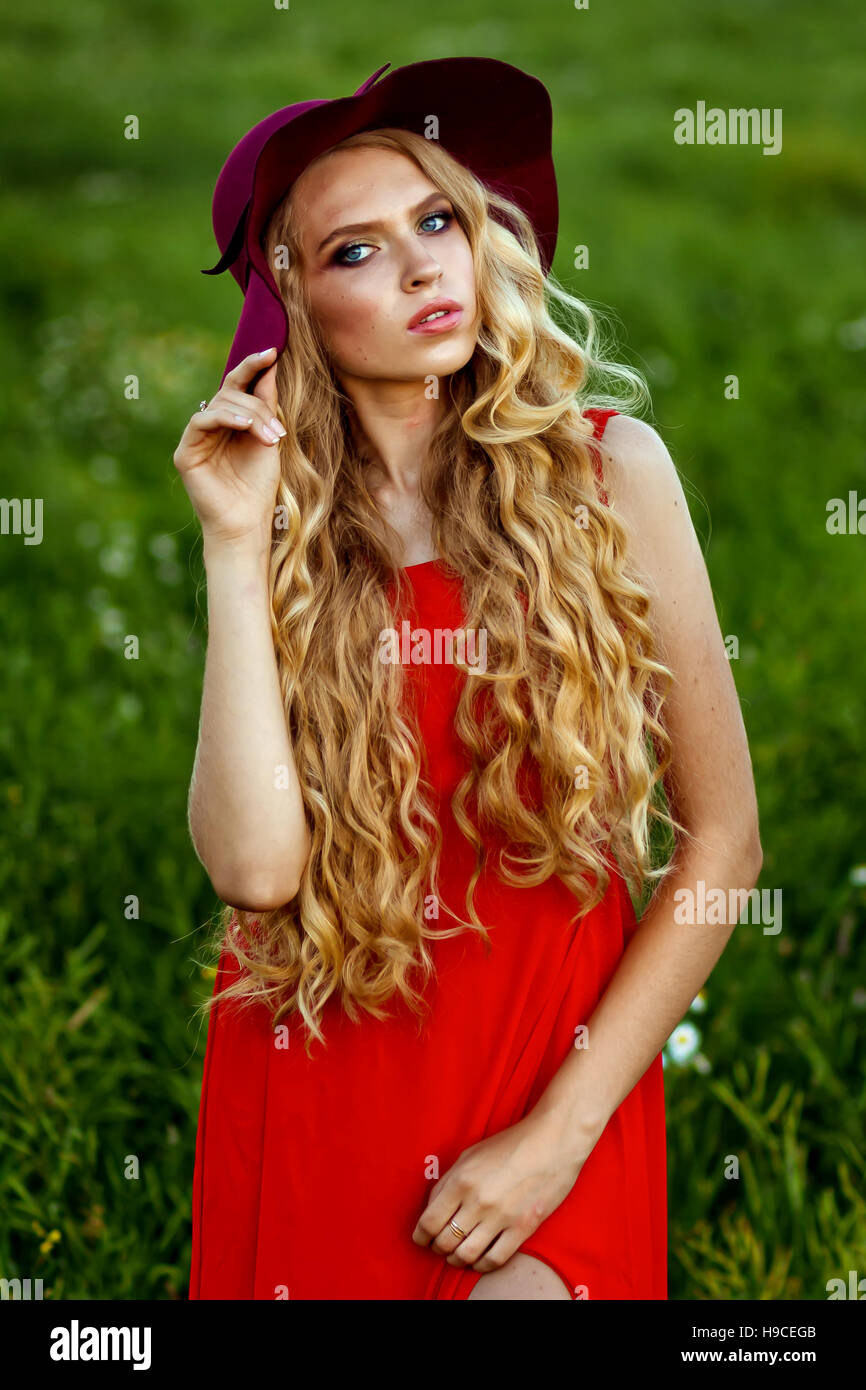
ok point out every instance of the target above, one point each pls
(456, 1229)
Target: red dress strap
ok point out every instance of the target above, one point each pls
(599, 420)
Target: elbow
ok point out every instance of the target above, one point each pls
(739, 854)
(749, 859)
(753, 855)
(248, 886)
(254, 891)
(759, 858)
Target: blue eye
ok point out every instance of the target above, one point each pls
(446, 217)
(352, 246)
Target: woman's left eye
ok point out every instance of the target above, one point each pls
(445, 217)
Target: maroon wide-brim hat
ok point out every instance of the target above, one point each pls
(492, 117)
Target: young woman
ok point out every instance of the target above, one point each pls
(433, 1066)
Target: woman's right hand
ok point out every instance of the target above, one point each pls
(228, 456)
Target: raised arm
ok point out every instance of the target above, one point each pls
(246, 812)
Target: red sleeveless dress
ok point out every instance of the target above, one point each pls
(311, 1172)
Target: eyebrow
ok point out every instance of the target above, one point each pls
(370, 226)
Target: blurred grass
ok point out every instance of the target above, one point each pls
(713, 261)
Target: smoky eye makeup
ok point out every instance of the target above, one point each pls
(445, 213)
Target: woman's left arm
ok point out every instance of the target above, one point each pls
(518, 1176)
(710, 790)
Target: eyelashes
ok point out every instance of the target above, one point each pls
(337, 258)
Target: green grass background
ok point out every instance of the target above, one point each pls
(714, 260)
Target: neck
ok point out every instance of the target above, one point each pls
(393, 423)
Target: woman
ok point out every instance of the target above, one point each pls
(394, 1107)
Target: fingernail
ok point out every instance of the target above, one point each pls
(275, 425)
(269, 435)
(265, 352)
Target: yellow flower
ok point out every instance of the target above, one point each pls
(50, 1240)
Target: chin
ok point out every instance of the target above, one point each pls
(432, 359)
(445, 358)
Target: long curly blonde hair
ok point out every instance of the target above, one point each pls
(575, 682)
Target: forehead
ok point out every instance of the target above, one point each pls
(355, 185)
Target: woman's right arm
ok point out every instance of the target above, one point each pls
(246, 811)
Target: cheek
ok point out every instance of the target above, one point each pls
(349, 320)
(464, 272)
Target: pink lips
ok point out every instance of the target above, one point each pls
(452, 316)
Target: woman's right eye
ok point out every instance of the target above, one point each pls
(350, 246)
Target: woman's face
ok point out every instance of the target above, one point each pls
(366, 285)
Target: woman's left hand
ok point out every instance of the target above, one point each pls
(499, 1191)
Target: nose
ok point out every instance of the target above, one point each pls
(421, 266)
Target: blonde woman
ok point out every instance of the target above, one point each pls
(433, 1066)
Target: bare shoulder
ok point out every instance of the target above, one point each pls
(640, 465)
(645, 491)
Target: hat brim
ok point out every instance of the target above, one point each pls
(262, 324)
(493, 117)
